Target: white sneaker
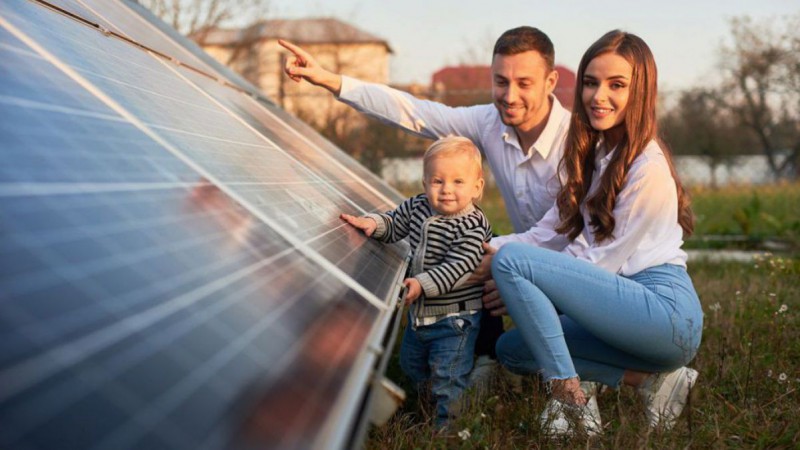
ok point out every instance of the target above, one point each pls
(559, 418)
(667, 395)
(482, 372)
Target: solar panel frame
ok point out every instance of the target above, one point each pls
(356, 383)
(191, 54)
(186, 131)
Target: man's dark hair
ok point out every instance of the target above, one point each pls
(524, 39)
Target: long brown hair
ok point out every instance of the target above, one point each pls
(641, 127)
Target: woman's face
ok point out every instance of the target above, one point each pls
(606, 87)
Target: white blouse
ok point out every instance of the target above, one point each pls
(646, 232)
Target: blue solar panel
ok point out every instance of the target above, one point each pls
(172, 269)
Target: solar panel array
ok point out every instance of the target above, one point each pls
(173, 272)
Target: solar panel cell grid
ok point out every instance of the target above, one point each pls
(359, 171)
(78, 8)
(198, 127)
(151, 291)
(297, 146)
(120, 18)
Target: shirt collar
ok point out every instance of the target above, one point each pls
(602, 155)
(544, 144)
(464, 212)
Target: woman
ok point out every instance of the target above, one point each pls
(613, 303)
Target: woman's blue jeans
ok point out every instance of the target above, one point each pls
(441, 354)
(575, 318)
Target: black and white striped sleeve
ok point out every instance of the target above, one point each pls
(394, 225)
(464, 251)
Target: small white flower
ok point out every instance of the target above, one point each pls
(483, 416)
(464, 434)
(771, 294)
(769, 373)
(738, 292)
(715, 307)
(782, 377)
(783, 309)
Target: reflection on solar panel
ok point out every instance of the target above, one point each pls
(173, 273)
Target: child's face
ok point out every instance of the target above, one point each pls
(451, 183)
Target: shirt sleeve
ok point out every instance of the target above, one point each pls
(461, 259)
(648, 198)
(543, 234)
(424, 118)
(394, 225)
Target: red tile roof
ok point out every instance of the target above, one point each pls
(470, 80)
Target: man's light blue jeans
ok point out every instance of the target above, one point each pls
(575, 318)
(442, 354)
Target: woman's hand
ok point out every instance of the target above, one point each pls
(364, 224)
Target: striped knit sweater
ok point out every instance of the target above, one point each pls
(445, 252)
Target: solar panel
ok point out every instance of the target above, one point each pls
(173, 272)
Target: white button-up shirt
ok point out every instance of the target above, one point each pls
(526, 179)
(646, 231)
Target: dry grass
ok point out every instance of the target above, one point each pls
(749, 361)
(746, 396)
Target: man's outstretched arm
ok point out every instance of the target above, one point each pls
(393, 107)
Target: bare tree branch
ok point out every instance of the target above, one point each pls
(762, 85)
(196, 18)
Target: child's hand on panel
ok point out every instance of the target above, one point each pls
(364, 224)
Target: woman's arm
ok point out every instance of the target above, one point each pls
(543, 234)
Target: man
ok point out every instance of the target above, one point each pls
(521, 134)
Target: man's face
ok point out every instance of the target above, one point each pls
(521, 85)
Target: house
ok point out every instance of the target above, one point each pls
(254, 52)
(470, 85)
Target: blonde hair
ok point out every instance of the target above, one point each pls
(451, 146)
(454, 146)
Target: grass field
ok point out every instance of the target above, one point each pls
(754, 213)
(749, 361)
(746, 397)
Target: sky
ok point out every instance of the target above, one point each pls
(426, 35)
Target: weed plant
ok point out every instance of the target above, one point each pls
(746, 396)
(749, 360)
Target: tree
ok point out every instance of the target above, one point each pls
(195, 18)
(699, 125)
(761, 73)
(371, 143)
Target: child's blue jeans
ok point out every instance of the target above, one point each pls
(650, 321)
(441, 353)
